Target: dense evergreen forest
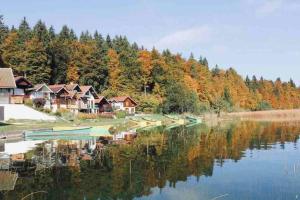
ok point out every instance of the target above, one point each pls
(159, 81)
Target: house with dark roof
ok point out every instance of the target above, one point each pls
(124, 103)
(20, 93)
(103, 105)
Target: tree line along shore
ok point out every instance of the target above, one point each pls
(159, 81)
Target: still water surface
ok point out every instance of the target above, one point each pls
(244, 160)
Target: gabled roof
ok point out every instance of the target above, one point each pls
(121, 99)
(57, 88)
(71, 94)
(7, 78)
(22, 82)
(71, 87)
(101, 98)
(86, 88)
(40, 86)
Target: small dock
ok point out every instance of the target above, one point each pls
(11, 135)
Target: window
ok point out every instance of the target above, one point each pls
(18, 91)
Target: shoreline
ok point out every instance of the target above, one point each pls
(291, 115)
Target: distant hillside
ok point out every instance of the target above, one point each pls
(159, 81)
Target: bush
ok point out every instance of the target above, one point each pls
(263, 105)
(57, 113)
(28, 102)
(179, 99)
(61, 111)
(39, 102)
(87, 116)
(148, 104)
(120, 114)
(47, 110)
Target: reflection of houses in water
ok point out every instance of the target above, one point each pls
(30, 156)
(2, 147)
(125, 135)
(12, 155)
(68, 153)
(8, 180)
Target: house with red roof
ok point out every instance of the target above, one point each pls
(124, 103)
(73, 97)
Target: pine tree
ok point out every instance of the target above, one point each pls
(40, 31)
(109, 42)
(3, 30)
(24, 31)
(36, 62)
(292, 83)
(205, 62)
(52, 34)
(215, 71)
(248, 82)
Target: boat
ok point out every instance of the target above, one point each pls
(71, 131)
(100, 131)
(61, 137)
(193, 121)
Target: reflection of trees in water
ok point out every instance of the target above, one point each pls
(155, 159)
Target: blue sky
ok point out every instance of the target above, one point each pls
(260, 37)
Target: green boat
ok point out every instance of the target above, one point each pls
(62, 137)
(70, 132)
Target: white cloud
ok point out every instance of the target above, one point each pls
(185, 39)
(269, 6)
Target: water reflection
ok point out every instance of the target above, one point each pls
(161, 164)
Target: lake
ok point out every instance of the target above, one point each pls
(245, 160)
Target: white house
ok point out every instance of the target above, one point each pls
(125, 103)
(42, 91)
(88, 99)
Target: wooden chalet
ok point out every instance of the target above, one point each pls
(125, 103)
(7, 85)
(60, 97)
(20, 93)
(12, 89)
(103, 105)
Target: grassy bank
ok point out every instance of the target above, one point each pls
(13, 125)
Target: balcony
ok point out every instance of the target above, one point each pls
(17, 99)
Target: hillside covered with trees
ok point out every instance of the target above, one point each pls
(159, 81)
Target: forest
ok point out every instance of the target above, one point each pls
(160, 81)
